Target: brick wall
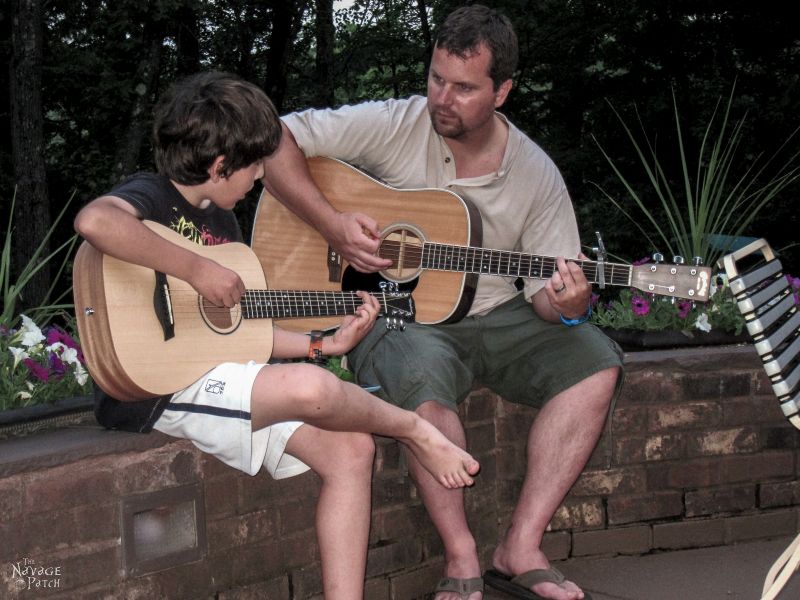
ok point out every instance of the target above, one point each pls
(698, 454)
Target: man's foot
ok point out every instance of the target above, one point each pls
(462, 589)
(450, 465)
(539, 577)
(456, 585)
(462, 579)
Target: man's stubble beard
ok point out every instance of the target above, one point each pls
(454, 131)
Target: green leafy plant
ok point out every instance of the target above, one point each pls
(334, 365)
(717, 200)
(12, 291)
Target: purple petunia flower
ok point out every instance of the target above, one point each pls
(41, 373)
(794, 282)
(57, 366)
(594, 299)
(55, 334)
(684, 308)
(640, 306)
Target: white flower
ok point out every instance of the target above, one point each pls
(81, 376)
(59, 349)
(69, 355)
(31, 334)
(19, 355)
(702, 323)
(23, 395)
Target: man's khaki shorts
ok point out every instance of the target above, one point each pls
(510, 350)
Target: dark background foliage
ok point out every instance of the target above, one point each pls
(84, 74)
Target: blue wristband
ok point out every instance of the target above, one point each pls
(579, 320)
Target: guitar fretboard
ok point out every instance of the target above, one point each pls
(276, 304)
(447, 257)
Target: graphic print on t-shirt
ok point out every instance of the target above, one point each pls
(199, 235)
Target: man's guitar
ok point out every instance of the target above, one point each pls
(145, 334)
(442, 274)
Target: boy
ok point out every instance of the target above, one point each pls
(211, 132)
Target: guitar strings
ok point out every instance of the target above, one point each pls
(464, 258)
(321, 303)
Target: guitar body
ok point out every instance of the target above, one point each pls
(295, 256)
(124, 341)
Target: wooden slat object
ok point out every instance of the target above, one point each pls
(765, 298)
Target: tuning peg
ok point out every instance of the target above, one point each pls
(678, 260)
(698, 261)
(395, 324)
(658, 257)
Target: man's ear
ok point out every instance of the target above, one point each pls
(215, 171)
(502, 93)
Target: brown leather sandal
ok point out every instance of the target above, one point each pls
(464, 587)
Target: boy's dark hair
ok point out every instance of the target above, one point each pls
(469, 26)
(208, 115)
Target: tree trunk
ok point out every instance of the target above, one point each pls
(286, 21)
(324, 62)
(32, 211)
(187, 43)
(425, 28)
(146, 80)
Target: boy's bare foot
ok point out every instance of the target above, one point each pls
(450, 465)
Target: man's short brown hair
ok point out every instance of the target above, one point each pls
(469, 26)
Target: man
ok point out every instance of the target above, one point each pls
(532, 347)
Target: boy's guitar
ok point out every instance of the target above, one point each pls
(145, 334)
(442, 274)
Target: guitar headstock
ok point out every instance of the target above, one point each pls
(397, 308)
(678, 281)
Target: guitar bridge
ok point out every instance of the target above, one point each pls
(334, 265)
(162, 305)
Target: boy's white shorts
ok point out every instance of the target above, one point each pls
(214, 413)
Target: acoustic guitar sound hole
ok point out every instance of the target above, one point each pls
(220, 319)
(403, 245)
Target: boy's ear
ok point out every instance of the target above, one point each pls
(215, 171)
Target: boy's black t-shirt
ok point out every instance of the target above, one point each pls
(157, 199)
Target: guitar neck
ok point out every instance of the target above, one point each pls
(447, 257)
(279, 304)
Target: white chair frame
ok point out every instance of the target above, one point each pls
(764, 297)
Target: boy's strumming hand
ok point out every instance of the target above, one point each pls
(217, 284)
(353, 328)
